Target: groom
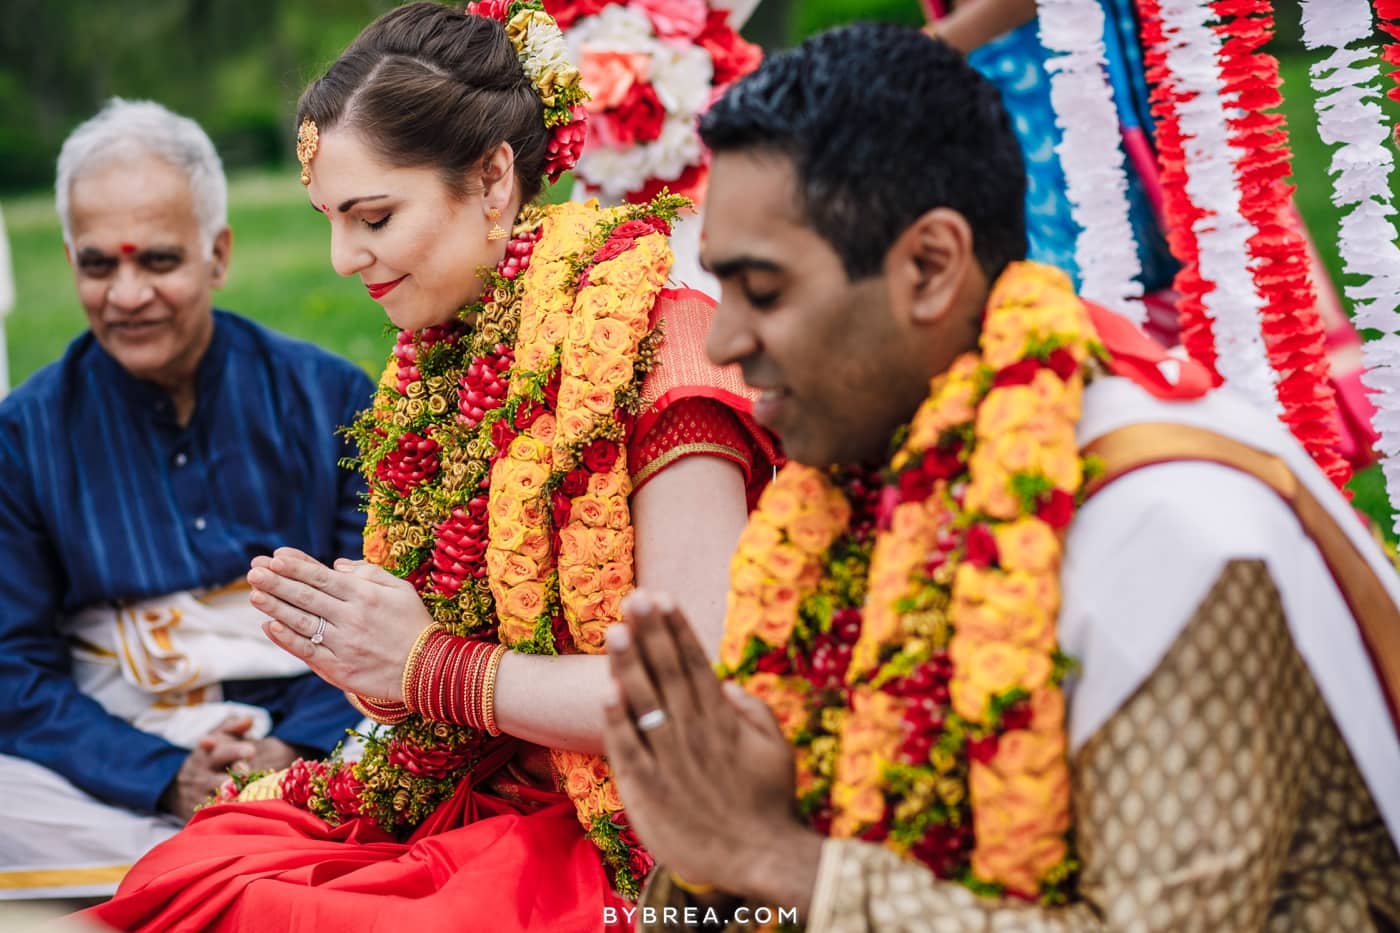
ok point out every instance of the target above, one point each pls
(1231, 747)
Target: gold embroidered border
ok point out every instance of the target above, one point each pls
(684, 450)
(61, 877)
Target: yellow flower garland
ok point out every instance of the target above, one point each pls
(492, 449)
(945, 736)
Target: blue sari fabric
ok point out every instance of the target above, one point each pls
(1015, 63)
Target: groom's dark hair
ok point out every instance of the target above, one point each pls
(882, 124)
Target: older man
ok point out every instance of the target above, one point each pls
(1226, 756)
(139, 473)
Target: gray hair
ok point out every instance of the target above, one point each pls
(124, 130)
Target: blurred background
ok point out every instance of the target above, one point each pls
(238, 67)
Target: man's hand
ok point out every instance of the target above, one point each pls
(207, 767)
(224, 750)
(709, 785)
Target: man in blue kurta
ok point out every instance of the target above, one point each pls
(138, 475)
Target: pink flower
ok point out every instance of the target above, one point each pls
(608, 76)
(675, 19)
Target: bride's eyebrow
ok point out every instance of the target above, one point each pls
(351, 202)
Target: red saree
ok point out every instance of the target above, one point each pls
(506, 852)
(480, 862)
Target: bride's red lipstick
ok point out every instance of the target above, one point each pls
(378, 290)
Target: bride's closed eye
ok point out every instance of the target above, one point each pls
(377, 224)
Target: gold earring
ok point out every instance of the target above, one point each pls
(497, 232)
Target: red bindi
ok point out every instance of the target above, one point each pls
(127, 248)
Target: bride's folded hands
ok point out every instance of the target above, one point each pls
(371, 618)
(687, 518)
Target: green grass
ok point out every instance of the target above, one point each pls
(280, 275)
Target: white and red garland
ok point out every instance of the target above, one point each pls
(1349, 117)
(1091, 155)
(1249, 308)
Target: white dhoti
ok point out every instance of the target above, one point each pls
(158, 665)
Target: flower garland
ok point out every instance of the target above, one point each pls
(651, 67)
(1249, 309)
(1375, 302)
(1350, 118)
(539, 44)
(470, 452)
(902, 627)
(1291, 325)
(1182, 214)
(1096, 186)
(1220, 306)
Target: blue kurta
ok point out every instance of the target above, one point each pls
(103, 496)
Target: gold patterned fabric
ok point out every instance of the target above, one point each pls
(1221, 797)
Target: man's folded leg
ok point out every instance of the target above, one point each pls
(58, 842)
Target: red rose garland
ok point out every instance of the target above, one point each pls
(1182, 214)
(1292, 328)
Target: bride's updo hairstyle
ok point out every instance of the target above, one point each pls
(427, 85)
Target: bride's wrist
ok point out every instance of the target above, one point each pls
(448, 678)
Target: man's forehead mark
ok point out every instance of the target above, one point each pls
(127, 248)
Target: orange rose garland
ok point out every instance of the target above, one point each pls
(921, 620)
(468, 473)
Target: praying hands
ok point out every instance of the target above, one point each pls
(353, 623)
(704, 771)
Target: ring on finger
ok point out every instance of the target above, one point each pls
(651, 719)
(319, 635)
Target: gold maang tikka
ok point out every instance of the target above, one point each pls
(308, 138)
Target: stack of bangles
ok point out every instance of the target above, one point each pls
(447, 678)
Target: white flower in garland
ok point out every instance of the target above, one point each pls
(1092, 157)
(1233, 306)
(682, 78)
(1349, 117)
(545, 50)
(617, 27)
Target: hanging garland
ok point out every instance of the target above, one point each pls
(1220, 282)
(1291, 326)
(1097, 187)
(1348, 113)
(1182, 214)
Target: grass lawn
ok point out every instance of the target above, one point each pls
(281, 273)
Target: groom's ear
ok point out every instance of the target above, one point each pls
(929, 265)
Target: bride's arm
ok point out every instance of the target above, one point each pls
(688, 519)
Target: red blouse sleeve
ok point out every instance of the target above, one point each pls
(699, 426)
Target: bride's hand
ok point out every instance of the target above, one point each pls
(371, 618)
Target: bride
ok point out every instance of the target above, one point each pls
(545, 437)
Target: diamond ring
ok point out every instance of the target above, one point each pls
(653, 719)
(320, 634)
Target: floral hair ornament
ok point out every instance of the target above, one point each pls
(308, 138)
(540, 46)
